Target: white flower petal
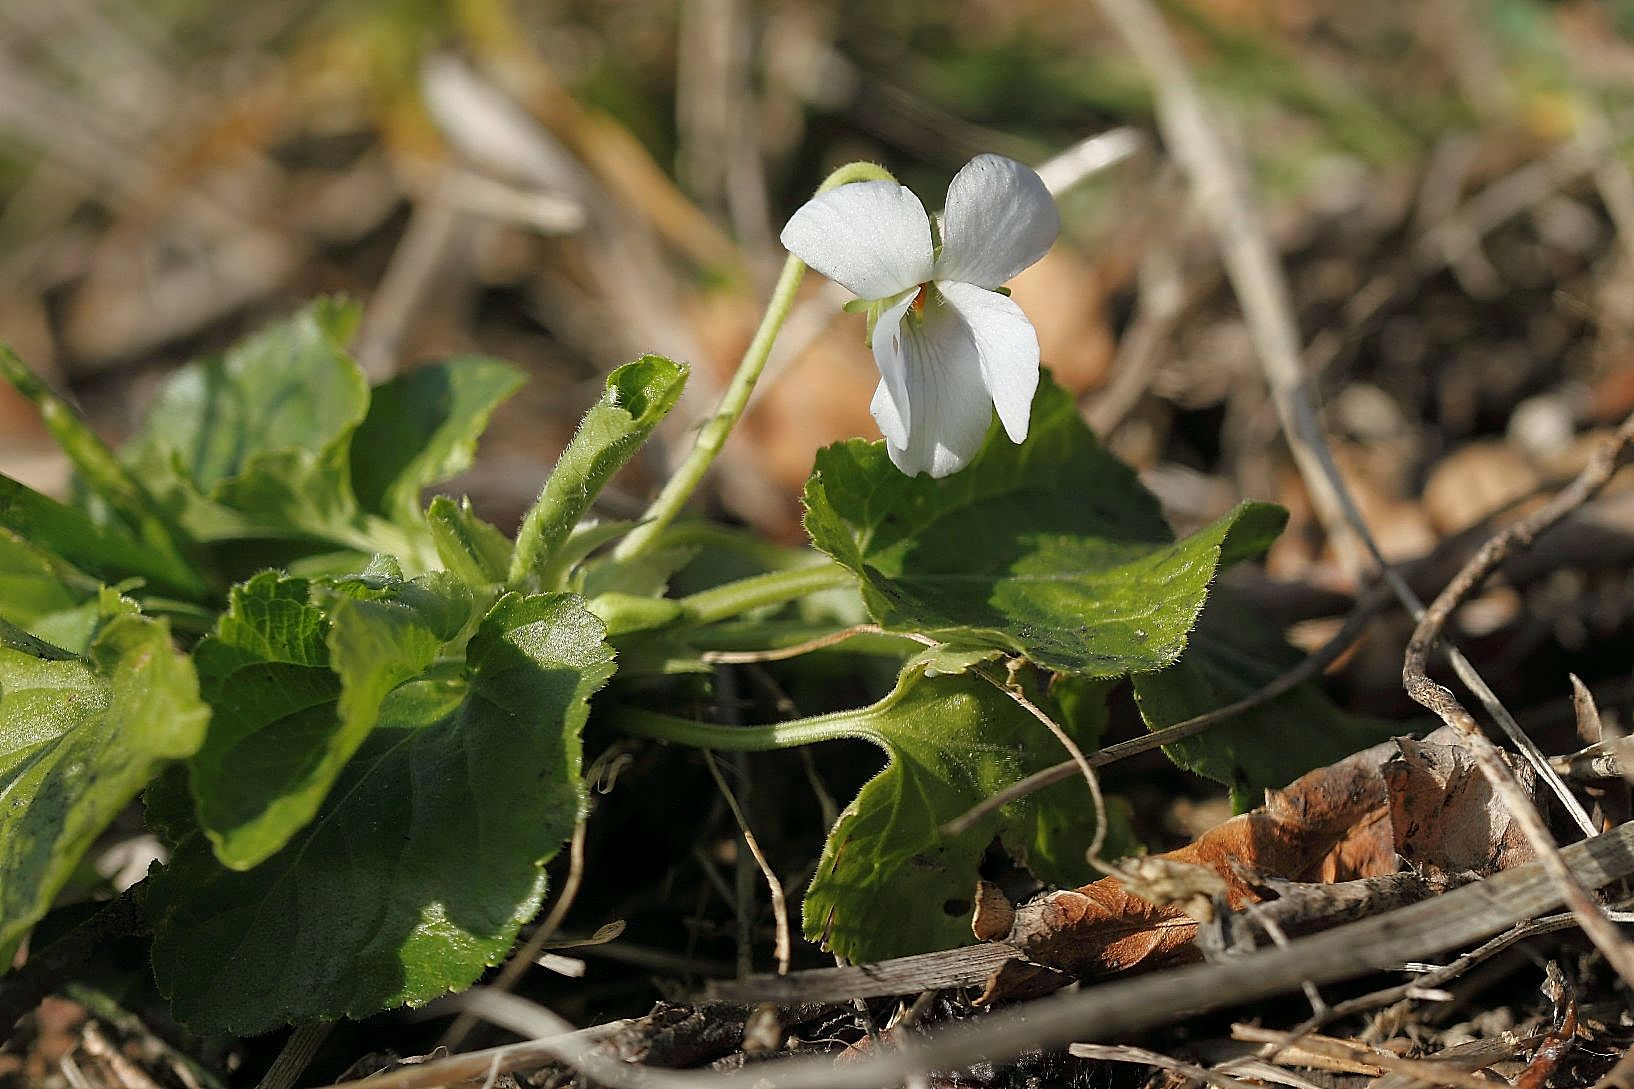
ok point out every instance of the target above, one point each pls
(999, 220)
(951, 406)
(897, 415)
(872, 238)
(1007, 346)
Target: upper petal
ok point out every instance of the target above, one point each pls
(896, 414)
(951, 407)
(999, 220)
(872, 238)
(1007, 347)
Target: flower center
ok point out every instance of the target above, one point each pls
(918, 304)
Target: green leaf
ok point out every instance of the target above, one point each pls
(295, 686)
(889, 883)
(46, 596)
(105, 552)
(78, 740)
(469, 547)
(1234, 653)
(425, 859)
(637, 396)
(1050, 549)
(289, 387)
(422, 429)
(13, 637)
(257, 445)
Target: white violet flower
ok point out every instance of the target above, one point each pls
(950, 344)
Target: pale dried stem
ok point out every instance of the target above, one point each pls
(1517, 535)
(1262, 291)
(780, 906)
(1121, 1054)
(1012, 689)
(295, 1056)
(1426, 1070)
(749, 657)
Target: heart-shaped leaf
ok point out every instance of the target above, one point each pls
(889, 883)
(1050, 549)
(424, 860)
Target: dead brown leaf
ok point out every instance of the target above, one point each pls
(1423, 803)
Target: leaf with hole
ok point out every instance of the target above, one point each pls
(889, 883)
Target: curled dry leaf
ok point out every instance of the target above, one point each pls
(1419, 802)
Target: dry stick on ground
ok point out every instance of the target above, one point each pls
(1108, 1010)
(295, 1056)
(1262, 291)
(1425, 1070)
(1120, 1054)
(1309, 667)
(1520, 534)
(524, 957)
(780, 906)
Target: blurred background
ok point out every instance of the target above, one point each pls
(568, 185)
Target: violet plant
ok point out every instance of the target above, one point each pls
(355, 720)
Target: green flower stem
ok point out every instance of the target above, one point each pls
(712, 437)
(854, 725)
(774, 588)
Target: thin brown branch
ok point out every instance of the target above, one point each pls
(1425, 1070)
(780, 906)
(1308, 668)
(1120, 1054)
(1012, 688)
(750, 657)
(1519, 535)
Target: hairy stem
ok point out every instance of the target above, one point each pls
(855, 725)
(712, 436)
(773, 588)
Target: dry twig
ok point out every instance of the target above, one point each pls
(1119, 1054)
(1424, 1070)
(1310, 667)
(780, 906)
(1519, 534)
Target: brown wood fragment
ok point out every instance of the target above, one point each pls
(994, 913)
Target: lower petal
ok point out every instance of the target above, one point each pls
(951, 406)
(897, 415)
(1008, 347)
